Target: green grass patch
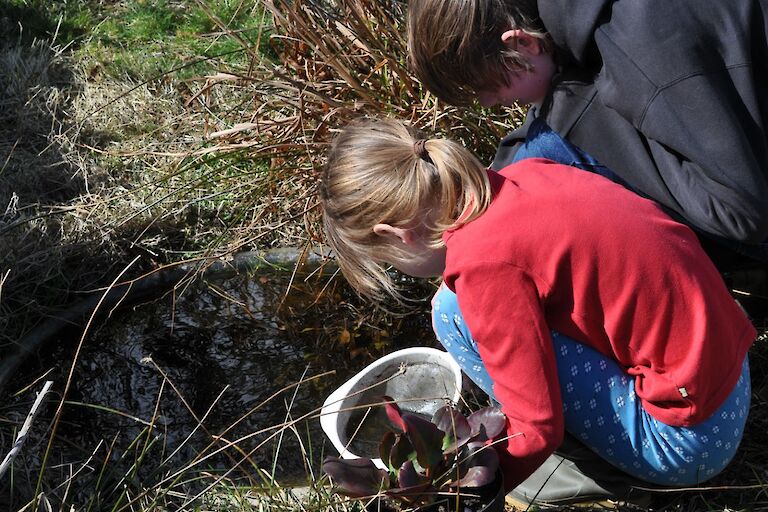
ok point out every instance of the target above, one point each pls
(141, 39)
(151, 37)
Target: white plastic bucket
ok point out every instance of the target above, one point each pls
(419, 379)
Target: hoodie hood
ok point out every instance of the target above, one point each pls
(572, 25)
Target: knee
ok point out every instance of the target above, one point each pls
(444, 301)
(445, 307)
(447, 321)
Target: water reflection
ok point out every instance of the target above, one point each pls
(215, 351)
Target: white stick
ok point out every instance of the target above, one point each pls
(22, 436)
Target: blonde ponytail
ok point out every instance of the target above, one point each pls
(378, 174)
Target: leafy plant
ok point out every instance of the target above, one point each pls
(425, 459)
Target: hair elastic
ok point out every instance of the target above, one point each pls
(420, 148)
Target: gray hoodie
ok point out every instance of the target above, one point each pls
(672, 95)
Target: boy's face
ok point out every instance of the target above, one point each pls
(522, 86)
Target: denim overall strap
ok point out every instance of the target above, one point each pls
(543, 142)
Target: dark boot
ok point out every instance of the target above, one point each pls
(575, 474)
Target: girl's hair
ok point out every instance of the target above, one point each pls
(455, 46)
(375, 175)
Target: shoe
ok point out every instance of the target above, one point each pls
(574, 475)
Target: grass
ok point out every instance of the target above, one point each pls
(136, 134)
(139, 39)
(114, 164)
(148, 458)
(172, 36)
(112, 159)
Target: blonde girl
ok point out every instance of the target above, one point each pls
(573, 302)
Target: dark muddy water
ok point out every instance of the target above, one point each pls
(215, 352)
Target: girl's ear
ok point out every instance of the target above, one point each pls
(394, 234)
(522, 41)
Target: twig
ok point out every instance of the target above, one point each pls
(24, 429)
(2, 281)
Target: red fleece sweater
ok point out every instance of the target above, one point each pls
(563, 249)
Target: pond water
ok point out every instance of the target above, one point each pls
(216, 352)
(171, 382)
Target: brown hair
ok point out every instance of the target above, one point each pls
(374, 175)
(455, 46)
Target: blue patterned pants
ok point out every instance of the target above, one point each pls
(602, 410)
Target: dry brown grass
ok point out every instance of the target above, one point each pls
(98, 170)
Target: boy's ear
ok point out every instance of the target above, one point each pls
(522, 41)
(394, 234)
